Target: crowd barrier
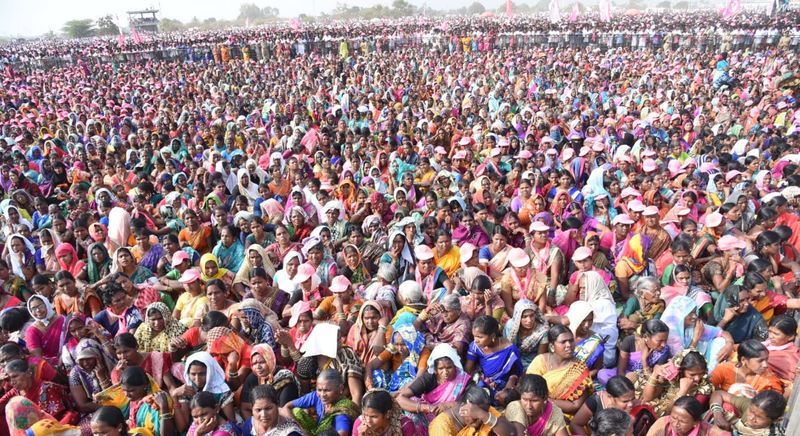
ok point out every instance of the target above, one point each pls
(760, 40)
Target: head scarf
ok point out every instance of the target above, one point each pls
(204, 259)
(119, 227)
(50, 310)
(260, 330)
(267, 353)
(76, 265)
(674, 317)
(17, 263)
(161, 342)
(577, 313)
(633, 253)
(94, 269)
(215, 375)
(511, 331)
(444, 350)
(251, 190)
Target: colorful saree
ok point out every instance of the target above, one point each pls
(324, 423)
(567, 383)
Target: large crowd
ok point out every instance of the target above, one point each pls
(472, 239)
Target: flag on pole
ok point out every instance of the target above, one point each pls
(135, 36)
(294, 23)
(509, 7)
(555, 11)
(605, 10)
(121, 39)
(573, 16)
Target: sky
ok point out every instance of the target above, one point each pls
(35, 17)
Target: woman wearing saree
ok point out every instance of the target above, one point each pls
(494, 257)
(262, 361)
(98, 265)
(632, 263)
(661, 387)
(332, 410)
(749, 375)
(686, 330)
(365, 338)
(157, 364)
(229, 250)
(433, 279)
(527, 329)
(44, 337)
(398, 364)
(568, 379)
(435, 390)
(283, 245)
(19, 252)
(399, 254)
(158, 329)
(124, 262)
(68, 259)
(685, 418)
(146, 253)
(589, 346)
(148, 407)
(203, 373)
(196, 234)
(473, 415)
(547, 265)
(52, 398)
(534, 413)
(495, 357)
(784, 355)
(354, 268)
(90, 376)
(256, 257)
(45, 256)
(211, 269)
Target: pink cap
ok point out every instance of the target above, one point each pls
(689, 162)
(538, 226)
(189, 276)
(298, 309)
(729, 242)
(440, 150)
(524, 154)
(423, 252)
(464, 140)
(179, 257)
(584, 151)
(496, 152)
(340, 284)
(636, 206)
(567, 154)
(648, 153)
(650, 211)
(682, 211)
(622, 218)
(629, 192)
(518, 258)
(581, 253)
(713, 219)
(730, 175)
(460, 155)
(304, 272)
(467, 250)
(649, 165)
(598, 146)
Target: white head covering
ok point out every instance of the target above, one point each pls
(251, 190)
(215, 376)
(443, 350)
(16, 263)
(50, 310)
(323, 341)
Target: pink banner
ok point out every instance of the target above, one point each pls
(121, 39)
(573, 16)
(605, 10)
(509, 7)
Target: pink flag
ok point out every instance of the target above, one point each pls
(605, 10)
(555, 11)
(121, 39)
(135, 36)
(294, 23)
(573, 16)
(509, 7)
